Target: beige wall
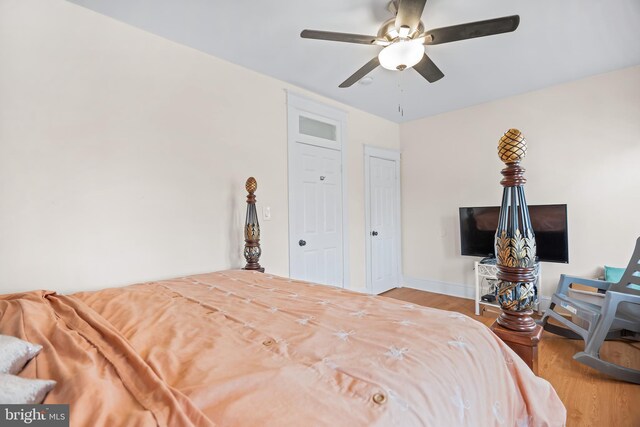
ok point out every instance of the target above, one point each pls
(584, 150)
(123, 156)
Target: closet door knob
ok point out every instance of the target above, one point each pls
(302, 242)
(374, 233)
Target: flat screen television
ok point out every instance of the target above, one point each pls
(478, 228)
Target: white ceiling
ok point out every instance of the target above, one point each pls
(557, 41)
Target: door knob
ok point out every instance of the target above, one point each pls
(302, 242)
(374, 233)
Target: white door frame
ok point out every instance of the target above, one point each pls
(296, 105)
(387, 154)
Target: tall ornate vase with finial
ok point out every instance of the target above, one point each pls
(515, 242)
(252, 249)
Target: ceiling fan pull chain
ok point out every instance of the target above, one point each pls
(400, 96)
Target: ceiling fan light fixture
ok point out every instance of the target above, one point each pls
(393, 34)
(401, 54)
(404, 31)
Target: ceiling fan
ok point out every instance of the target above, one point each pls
(403, 39)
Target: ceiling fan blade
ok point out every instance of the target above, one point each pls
(337, 37)
(428, 69)
(363, 71)
(472, 30)
(409, 13)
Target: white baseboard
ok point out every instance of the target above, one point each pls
(446, 288)
(543, 304)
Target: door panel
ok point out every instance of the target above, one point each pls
(309, 217)
(383, 223)
(317, 214)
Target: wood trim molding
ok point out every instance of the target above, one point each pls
(460, 290)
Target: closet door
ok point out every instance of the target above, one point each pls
(316, 193)
(317, 200)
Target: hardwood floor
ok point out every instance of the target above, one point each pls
(591, 398)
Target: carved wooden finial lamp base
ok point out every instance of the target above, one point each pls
(252, 249)
(516, 254)
(524, 344)
(520, 321)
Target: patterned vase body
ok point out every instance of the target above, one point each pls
(516, 251)
(252, 249)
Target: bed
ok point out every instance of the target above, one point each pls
(244, 348)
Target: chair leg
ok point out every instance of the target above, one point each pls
(545, 317)
(599, 333)
(578, 334)
(608, 368)
(591, 354)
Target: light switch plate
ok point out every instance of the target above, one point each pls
(266, 213)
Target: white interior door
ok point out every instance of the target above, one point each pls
(317, 205)
(383, 212)
(317, 200)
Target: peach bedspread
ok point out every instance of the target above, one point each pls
(238, 348)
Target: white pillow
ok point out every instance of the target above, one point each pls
(15, 353)
(22, 391)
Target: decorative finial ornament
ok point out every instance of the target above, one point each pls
(515, 243)
(512, 147)
(251, 185)
(252, 249)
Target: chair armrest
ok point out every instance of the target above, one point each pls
(630, 313)
(565, 281)
(619, 297)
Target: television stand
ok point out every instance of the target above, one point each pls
(486, 280)
(490, 260)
